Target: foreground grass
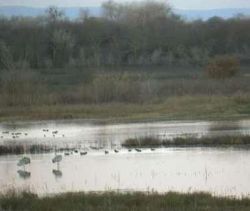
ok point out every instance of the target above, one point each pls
(237, 140)
(173, 108)
(124, 202)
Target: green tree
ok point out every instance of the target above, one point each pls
(61, 47)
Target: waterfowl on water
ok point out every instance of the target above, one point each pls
(83, 153)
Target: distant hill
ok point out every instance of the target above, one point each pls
(70, 12)
(73, 12)
(206, 14)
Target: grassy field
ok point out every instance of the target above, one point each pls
(126, 94)
(173, 108)
(122, 202)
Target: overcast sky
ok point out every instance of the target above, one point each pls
(181, 4)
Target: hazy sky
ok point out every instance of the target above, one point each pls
(183, 4)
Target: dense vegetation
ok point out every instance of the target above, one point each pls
(127, 34)
(122, 202)
(134, 54)
(220, 141)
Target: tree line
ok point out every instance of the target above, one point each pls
(145, 33)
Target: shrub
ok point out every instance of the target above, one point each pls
(222, 67)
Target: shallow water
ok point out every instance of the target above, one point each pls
(86, 134)
(223, 172)
(218, 171)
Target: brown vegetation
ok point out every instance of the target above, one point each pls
(222, 67)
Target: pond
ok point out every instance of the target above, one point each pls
(220, 171)
(86, 134)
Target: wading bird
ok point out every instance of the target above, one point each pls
(23, 162)
(57, 159)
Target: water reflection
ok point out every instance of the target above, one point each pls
(57, 173)
(219, 171)
(24, 174)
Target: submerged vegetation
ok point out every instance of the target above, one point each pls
(121, 201)
(235, 140)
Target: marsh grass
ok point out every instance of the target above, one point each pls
(125, 93)
(121, 201)
(240, 140)
(21, 149)
(17, 149)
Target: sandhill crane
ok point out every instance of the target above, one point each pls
(24, 161)
(57, 159)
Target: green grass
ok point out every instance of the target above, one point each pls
(122, 202)
(173, 108)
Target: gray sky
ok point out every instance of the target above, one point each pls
(182, 4)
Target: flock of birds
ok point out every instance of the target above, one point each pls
(25, 160)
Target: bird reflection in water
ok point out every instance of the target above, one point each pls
(24, 174)
(57, 173)
(22, 163)
(57, 159)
